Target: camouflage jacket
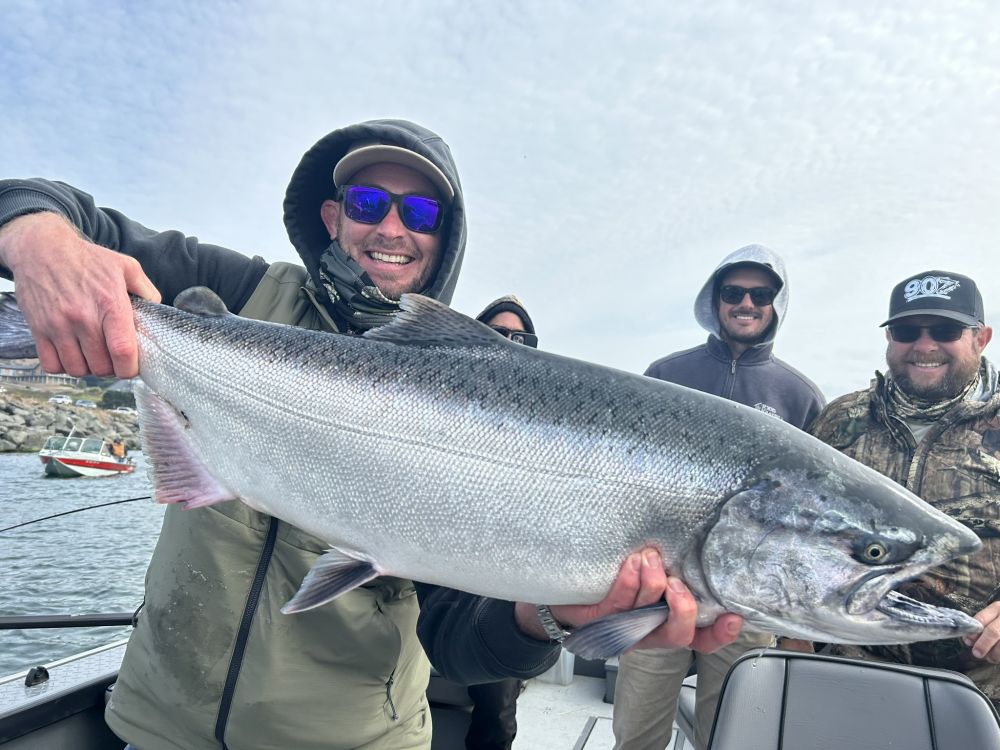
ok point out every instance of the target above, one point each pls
(955, 468)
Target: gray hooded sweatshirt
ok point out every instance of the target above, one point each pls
(757, 378)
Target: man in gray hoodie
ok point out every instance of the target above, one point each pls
(742, 305)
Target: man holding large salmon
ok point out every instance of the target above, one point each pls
(374, 210)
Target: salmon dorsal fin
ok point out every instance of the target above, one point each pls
(200, 300)
(423, 321)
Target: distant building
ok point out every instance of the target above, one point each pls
(122, 385)
(32, 373)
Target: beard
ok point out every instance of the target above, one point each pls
(959, 374)
(417, 280)
(740, 337)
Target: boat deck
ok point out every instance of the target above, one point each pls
(550, 715)
(892, 705)
(564, 717)
(565, 708)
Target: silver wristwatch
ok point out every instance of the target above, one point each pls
(553, 629)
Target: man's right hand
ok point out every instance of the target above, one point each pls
(642, 580)
(74, 295)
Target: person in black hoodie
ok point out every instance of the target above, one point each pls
(741, 305)
(374, 210)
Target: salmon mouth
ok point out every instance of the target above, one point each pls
(874, 593)
(868, 594)
(906, 611)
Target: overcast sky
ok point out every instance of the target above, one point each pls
(611, 153)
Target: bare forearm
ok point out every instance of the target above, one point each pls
(42, 230)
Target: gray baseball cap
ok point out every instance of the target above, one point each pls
(367, 153)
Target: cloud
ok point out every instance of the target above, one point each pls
(610, 154)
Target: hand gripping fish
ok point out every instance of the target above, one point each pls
(434, 449)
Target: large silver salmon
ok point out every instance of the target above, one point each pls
(436, 450)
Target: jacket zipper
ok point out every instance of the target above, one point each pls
(388, 694)
(243, 634)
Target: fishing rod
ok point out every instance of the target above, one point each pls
(77, 510)
(107, 619)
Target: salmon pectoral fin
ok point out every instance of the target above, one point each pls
(333, 574)
(612, 634)
(177, 472)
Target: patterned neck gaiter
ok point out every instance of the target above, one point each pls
(353, 296)
(921, 410)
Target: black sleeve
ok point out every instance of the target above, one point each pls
(172, 261)
(471, 639)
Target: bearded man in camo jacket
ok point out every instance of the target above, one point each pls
(932, 424)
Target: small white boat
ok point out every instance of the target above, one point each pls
(76, 456)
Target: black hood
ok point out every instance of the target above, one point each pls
(312, 183)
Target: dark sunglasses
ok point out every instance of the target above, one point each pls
(904, 333)
(518, 337)
(759, 295)
(369, 205)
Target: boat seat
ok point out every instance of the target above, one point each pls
(787, 700)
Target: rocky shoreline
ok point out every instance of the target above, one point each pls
(25, 423)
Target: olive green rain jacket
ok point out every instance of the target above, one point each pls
(955, 468)
(354, 672)
(212, 662)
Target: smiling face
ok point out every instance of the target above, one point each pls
(743, 324)
(397, 259)
(935, 370)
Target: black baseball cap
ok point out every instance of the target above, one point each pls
(941, 293)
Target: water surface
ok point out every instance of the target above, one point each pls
(82, 563)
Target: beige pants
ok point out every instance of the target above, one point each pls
(649, 683)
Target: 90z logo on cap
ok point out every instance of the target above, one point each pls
(930, 286)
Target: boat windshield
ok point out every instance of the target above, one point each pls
(92, 445)
(54, 443)
(73, 444)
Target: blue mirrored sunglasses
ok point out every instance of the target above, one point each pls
(367, 204)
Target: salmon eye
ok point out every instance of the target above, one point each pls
(874, 549)
(875, 552)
